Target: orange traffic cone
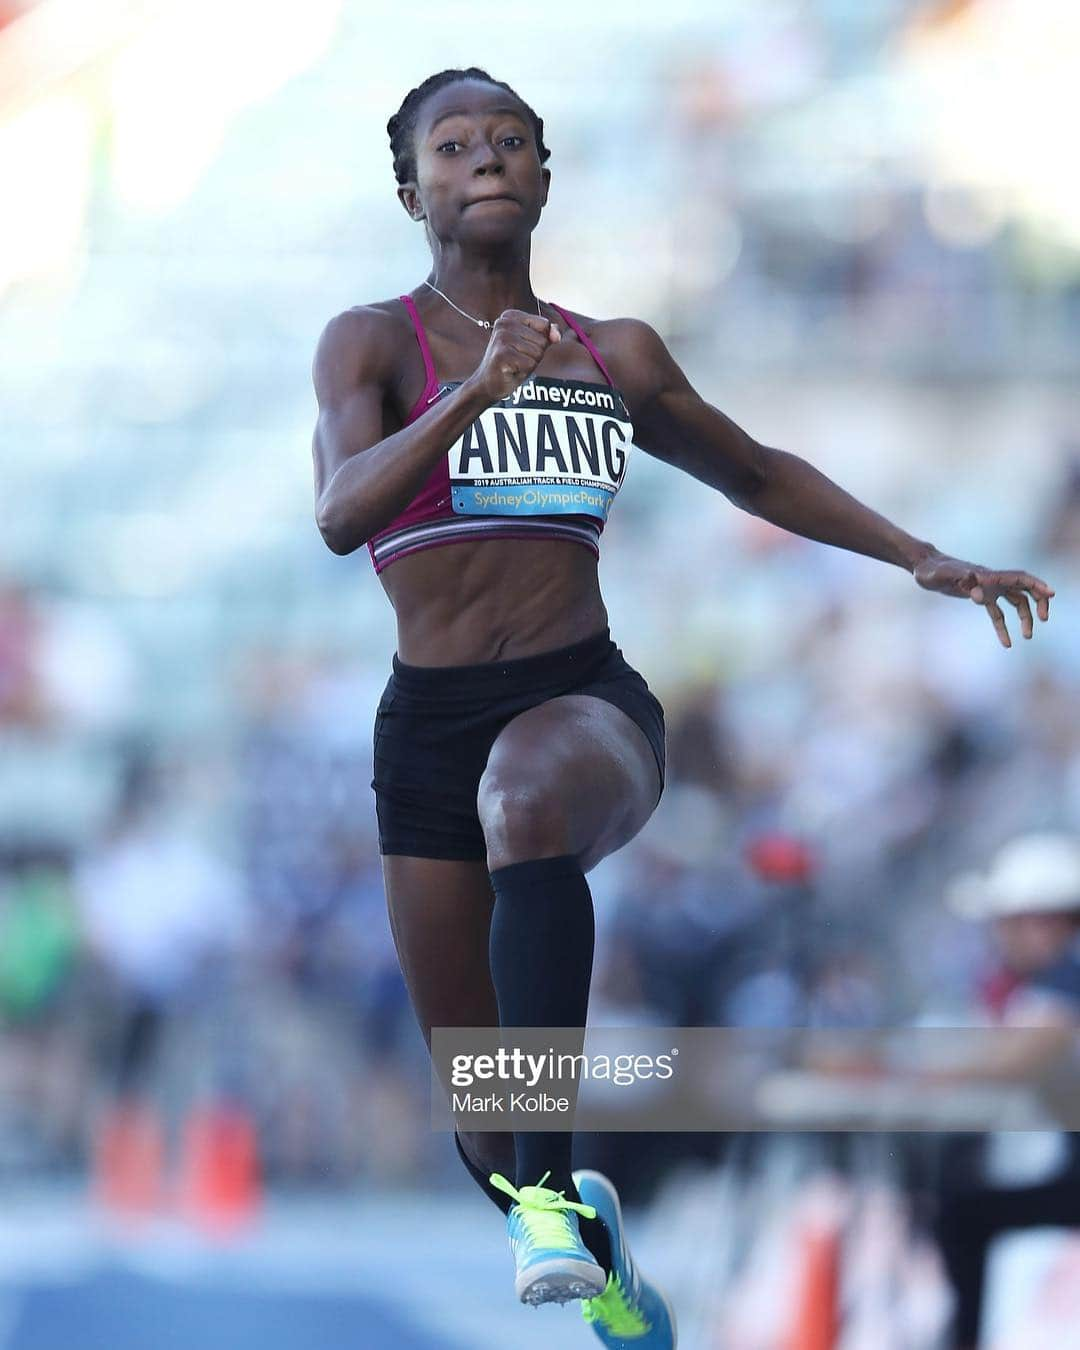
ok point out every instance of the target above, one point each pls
(220, 1185)
(816, 1320)
(128, 1159)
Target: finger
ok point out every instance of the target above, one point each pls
(1020, 600)
(1011, 581)
(520, 354)
(527, 343)
(535, 321)
(998, 620)
(518, 328)
(554, 335)
(1041, 593)
(1034, 584)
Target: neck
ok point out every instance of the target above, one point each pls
(485, 284)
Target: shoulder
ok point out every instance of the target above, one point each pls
(363, 340)
(622, 336)
(633, 351)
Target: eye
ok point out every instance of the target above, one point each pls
(502, 139)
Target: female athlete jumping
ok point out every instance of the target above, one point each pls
(514, 746)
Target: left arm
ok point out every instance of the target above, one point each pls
(674, 423)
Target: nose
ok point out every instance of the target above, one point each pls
(487, 159)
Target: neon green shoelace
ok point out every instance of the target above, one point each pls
(543, 1211)
(613, 1310)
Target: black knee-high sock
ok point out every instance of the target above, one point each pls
(542, 937)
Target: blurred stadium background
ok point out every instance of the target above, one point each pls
(857, 223)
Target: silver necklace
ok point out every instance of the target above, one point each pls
(481, 323)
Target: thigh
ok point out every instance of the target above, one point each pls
(440, 917)
(574, 774)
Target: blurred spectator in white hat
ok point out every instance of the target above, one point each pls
(1031, 897)
(1030, 894)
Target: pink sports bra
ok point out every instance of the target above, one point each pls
(546, 462)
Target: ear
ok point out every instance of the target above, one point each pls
(409, 197)
(545, 174)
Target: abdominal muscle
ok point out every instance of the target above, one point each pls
(464, 603)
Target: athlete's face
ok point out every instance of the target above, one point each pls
(474, 141)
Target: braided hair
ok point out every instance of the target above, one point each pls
(401, 128)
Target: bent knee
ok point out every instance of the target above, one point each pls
(521, 819)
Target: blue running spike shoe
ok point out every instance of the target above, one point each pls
(553, 1264)
(632, 1313)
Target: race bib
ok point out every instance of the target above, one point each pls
(552, 447)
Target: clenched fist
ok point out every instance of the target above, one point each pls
(515, 346)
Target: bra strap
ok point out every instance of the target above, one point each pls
(421, 337)
(584, 341)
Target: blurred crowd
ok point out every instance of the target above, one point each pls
(184, 919)
(853, 224)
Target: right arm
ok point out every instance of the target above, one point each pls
(356, 494)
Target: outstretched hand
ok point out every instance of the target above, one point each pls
(985, 587)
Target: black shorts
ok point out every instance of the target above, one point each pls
(435, 726)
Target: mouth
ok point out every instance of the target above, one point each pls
(496, 197)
